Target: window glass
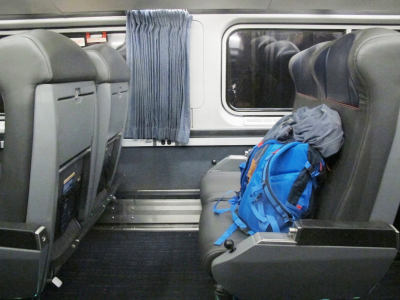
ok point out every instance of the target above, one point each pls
(257, 74)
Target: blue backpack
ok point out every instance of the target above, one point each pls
(277, 184)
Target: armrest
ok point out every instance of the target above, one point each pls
(339, 233)
(316, 259)
(23, 236)
(24, 256)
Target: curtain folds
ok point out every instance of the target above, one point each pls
(157, 44)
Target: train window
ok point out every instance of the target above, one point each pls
(257, 75)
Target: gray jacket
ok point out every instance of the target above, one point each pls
(320, 126)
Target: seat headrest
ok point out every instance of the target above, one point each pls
(339, 82)
(279, 53)
(301, 67)
(258, 44)
(343, 66)
(262, 41)
(110, 65)
(42, 56)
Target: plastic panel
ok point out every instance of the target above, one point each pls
(119, 108)
(62, 129)
(273, 266)
(21, 272)
(75, 118)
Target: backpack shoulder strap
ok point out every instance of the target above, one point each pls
(271, 196)
(313, 167)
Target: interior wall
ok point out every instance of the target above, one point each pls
(166, 168)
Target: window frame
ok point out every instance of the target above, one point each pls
(265, 111)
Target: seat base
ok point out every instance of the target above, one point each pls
(212, 226)
(219, 184)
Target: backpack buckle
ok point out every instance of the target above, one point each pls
(309, 167)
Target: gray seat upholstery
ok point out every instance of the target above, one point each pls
(259, 43)
(219, 183)
(309, 91)
(222, 180)
(47, 84)
(357, 76)
(211, 228)
(28, 60)
(112, 92)
(277, 88)
(359, 72)
(273, 86)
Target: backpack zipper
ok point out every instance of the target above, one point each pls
(250, 158)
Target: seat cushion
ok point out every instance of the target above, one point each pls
(219, 184)
(211, 227)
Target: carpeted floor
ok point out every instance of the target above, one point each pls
(127, 265)
(134, 265)
(389, 287)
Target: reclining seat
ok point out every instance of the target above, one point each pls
(278, 88)
(224, 178)
(309, 91)
(350, 236)
(112, 93)
(360, 74)
(47, 83)
(258, 65)
(259, 43)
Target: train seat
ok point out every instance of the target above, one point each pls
(359, 75)
(277, 89)
(223, 179)
(309, 91)
(112, 83)
(47, 83)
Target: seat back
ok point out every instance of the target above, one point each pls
(359, 74)
(47, 84)
(308, 90)
(258, 45)
(256, 50)
(277, 87)
(112, 89)
(27, 61)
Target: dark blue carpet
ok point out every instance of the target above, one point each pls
(389, 287)
(152, 265)
(134, 265)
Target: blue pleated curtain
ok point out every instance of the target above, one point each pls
(157, 52)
